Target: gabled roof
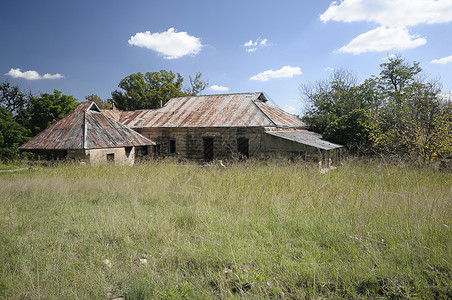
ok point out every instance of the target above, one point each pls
(228, 110)
(86, 128)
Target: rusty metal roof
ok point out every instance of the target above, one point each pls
(228, 110)
(305, 137)
(86, 128)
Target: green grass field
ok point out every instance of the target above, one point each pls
(170, 230)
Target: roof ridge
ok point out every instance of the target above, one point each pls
(254, 102)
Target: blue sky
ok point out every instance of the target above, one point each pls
(87, 47)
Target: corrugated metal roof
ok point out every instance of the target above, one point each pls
(228, 110)
(86, 128)
(305, 137)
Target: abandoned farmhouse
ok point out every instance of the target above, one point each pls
(196, 127)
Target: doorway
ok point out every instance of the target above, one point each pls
(208, 148)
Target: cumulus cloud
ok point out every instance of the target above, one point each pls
(383, 39)
(284, 72)
(219, 88)
(443, 61)
(392, 13)
(253, 45)
(171, 44)
(392, 16)
(32, 75)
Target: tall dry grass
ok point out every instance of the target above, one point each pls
(169, 230)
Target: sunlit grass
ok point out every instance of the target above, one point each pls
(251, 230)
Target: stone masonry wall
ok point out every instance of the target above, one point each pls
(190, 144)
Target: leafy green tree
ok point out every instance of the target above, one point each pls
(45, 110)
(153, 89)
(340, 109)
(405, 123)
(12, 135)
(441, 138)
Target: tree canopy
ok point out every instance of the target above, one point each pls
(154, 89)
(12, 135)
(24, 115)
(396, 112)
(45, 110)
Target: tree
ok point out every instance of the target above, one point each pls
(405, 123)
(340, 109)
(153, 89)
(11, 97)
(196, 85)
(12, 135)
(98, 100)
(396, 112)
(45, 110)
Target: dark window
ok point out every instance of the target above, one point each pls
(128, 151)
(111, 157)
(172, 146)
(208, 148)
(243, 147)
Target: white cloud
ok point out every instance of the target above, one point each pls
(444, 60)
(328, 69)
(250, 43)
(171, 44)
(253, 45)
(219, 88)
(392, 13)
(383, 39)
(284, 72)
(392, 16)
(32, 75)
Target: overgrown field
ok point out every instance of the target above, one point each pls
(253, 230)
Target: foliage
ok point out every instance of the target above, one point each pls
(441, 138)
(11, 97)
(102, 104)
(405, 123)
(45, 110)
(339, 108)
(352, 129)
(154, 89)
(196, 85)
(12, 135)
(396, 113)
(251, 231)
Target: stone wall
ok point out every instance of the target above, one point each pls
(125, 155)
(190, 141)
